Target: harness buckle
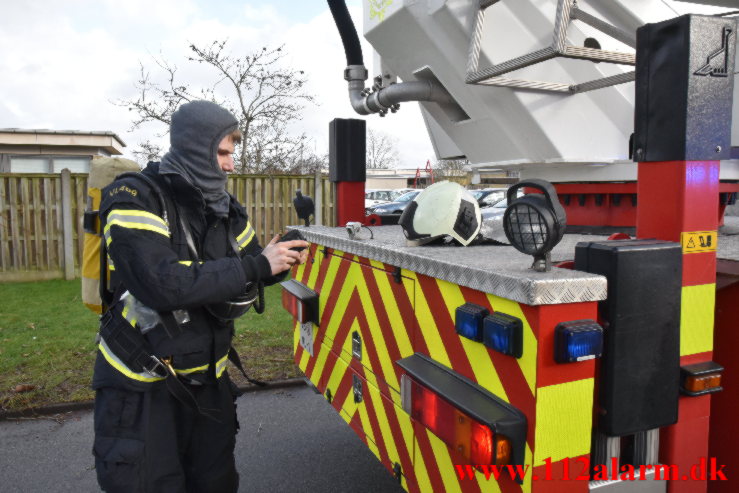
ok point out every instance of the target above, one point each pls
(157, 363)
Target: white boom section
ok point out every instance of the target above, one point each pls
(545, 130)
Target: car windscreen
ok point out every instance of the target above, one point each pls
(407, 197)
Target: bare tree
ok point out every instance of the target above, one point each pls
(381, 150)
(147, 151)
(309, 164)
(256, 88)
(450, 169)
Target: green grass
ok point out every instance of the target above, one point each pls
(265, 342)
(47, 340)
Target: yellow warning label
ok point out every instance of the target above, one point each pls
(699, 241)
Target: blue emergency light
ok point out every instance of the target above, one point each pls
(468, 321)
(503, 333)
(577, 340)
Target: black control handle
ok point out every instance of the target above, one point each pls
(546, 188)
(291, 235)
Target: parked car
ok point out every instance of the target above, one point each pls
(488, 196)
(391, 211)
(376, 197)
(498, 209)
(401, 191)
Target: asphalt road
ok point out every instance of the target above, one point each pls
(291, 440)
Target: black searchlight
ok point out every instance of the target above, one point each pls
(535, 223)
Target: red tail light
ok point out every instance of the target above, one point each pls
(292, 304)
(472, 439)
(425, 407)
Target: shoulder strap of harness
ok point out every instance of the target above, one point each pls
(155, 187)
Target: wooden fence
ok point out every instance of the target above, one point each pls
(41, 233)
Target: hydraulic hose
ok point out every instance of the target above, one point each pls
(383, 99)
(347, 31)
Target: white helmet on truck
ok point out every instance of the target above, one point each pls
(444, 208)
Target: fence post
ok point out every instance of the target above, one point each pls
(67, 231)
(318, 202)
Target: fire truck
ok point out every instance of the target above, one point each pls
(606, 365)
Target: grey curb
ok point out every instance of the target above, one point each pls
(68, 407)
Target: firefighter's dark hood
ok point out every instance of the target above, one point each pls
(196, 130)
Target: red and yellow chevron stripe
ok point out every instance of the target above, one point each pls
(397, 316)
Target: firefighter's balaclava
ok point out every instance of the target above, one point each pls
(196, 130)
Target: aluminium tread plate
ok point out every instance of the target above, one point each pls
(496, 269)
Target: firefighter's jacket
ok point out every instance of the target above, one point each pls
(150, 258)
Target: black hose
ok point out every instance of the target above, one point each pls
(259, 303)
(347, 31)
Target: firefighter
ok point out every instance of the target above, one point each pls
(185, 262)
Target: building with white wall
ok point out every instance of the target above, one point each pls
(50, 151)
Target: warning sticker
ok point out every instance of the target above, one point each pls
(699, 241)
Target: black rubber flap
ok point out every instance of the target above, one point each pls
(472, 399)
(347, 144)
(640, 368)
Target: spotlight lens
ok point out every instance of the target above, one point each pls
(528, 229)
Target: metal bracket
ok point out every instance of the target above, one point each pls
(357, 345)
(357, 386)
(397, 276)
(567, 11)
(398, 472)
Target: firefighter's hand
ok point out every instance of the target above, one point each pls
(303, 254)
(280, 257)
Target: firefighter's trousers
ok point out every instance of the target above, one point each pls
(147, 442)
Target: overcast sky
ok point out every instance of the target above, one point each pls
(65, 62)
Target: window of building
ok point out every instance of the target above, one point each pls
(74, 164)
(44, 164)
(29, 165)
